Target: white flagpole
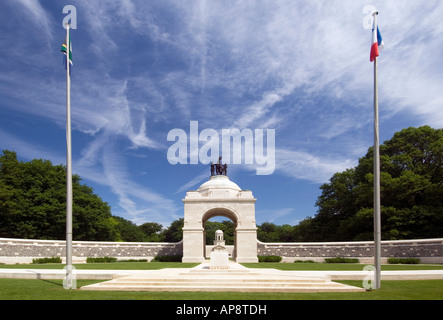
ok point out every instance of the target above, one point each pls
(377, 215)
(68, 166)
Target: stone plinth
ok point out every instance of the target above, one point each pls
(219, 258)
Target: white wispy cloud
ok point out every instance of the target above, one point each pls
(300, 67)
(274, 215)
(38, 16)
(193, 183)
(305, 166)
(138, 202)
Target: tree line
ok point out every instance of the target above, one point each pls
(411, 166)
(33, 206)
(411, 179)
(33, 195)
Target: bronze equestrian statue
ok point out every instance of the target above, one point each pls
(219, 168)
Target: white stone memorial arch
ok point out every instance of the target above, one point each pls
(219, 197)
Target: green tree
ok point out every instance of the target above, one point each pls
(92, 217)
(33, 203)
(227, 226)
(174, 233)
(270, 232)
(286, 233)
(267, 232)
(411, 193)
(128, 231)
(152, 231)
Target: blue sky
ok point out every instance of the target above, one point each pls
(143, 68)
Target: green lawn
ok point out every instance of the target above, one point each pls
(24, 289)
(106, 266)
(276, 265)
(340, 266)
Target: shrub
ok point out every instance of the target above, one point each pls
(101, 260)
(269, 258)
(47, 260)
(304, 261)
(133, 260)
(403, 260)
(341, 260)
(173, 258)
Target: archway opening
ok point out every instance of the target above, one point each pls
(223, 224)
(219, 219)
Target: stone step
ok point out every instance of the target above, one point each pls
(132, 283)
(216, 283)
(237, 279)
(188, 278)
(322, 288)
(221, 281)
(220, 272)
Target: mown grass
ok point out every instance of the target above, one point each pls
(339, 266)
(276, 265)
(31, 289)
(105, 266)
(38, 289)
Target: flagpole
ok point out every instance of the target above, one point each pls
(68, 166)
(377, 215)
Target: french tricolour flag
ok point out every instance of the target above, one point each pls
(377, 43)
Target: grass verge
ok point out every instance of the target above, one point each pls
(105, 266)
(24, 289)
(339, 266)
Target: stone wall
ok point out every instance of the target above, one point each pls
(23, 251)
(427, 250)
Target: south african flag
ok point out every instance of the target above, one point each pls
(64, 49)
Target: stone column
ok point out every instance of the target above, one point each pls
(193, 245)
